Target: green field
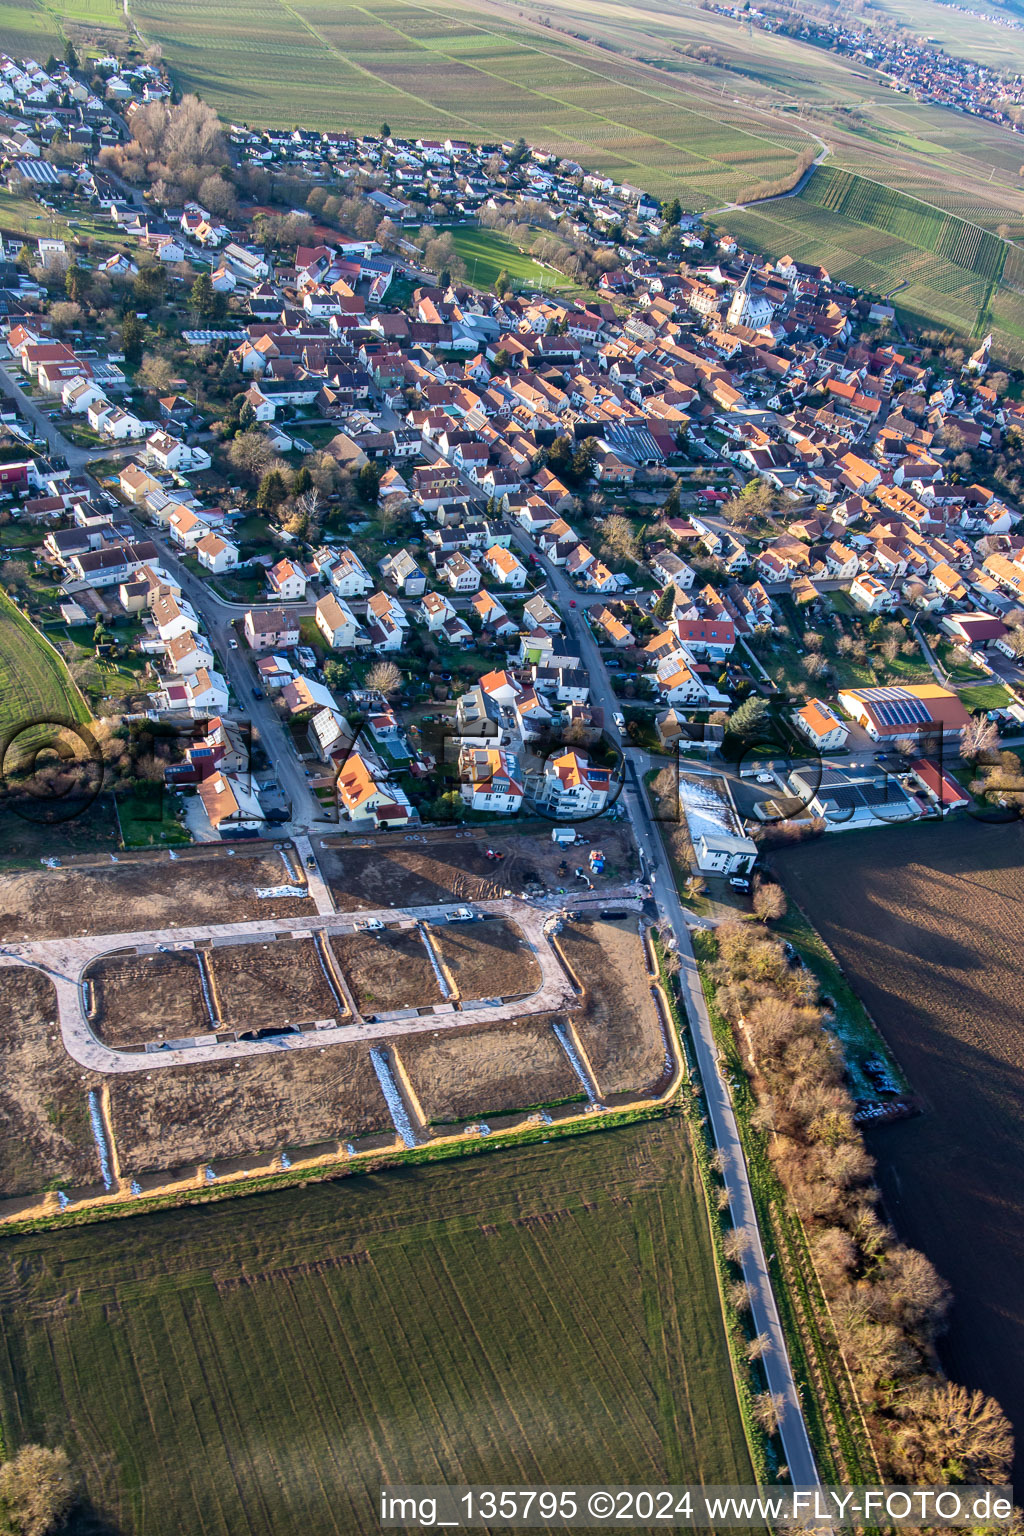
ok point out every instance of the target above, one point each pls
(34, 682)
(449, 69)
(547, 1314)
(488, 254)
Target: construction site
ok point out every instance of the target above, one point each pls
(279, 1021)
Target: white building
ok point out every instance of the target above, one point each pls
(719, 842)
(571, 786)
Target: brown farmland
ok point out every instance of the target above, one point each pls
(272, 983)
(443, 869)
(139, 998)
(487, 959)
(928, 922)
(132, 897)
(44, 1119)
(179, 1116)
(387, 970)
(618, 1022)
(459, 1073)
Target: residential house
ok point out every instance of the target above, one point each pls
(503, 567)
(489, 780)
(268, 629)
(216, 554)
(287, 581)
(571, 785)
(337, 623)
(403, 572)
(231, 805)
(821, 725)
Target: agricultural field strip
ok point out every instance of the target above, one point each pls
(65, 960)
(627, 127)
(230, 1331)
(783, 141)
(34, 681)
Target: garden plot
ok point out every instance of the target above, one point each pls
(387, 970)
(141, 894)
(280, 982)
(618, 1023)
(488, 1070)
(45, 1135)
(181, 1116)
(142, 998)
(486, 959)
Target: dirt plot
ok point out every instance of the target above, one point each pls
(928, 923)
(133, 897)
(618, 1022)
(147, 997)
(488, 959)
(404, 874)
(274, 983)
(179, 1116)
(45, 1135)
(387, 970)
(459, 1073)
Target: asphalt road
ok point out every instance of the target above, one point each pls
(657, 866)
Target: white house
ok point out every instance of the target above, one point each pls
(872, 595)
(207, 693)
(185, 528)
(171, 455)
(120, 426)
(79, 394)
(216, 554)
(821, 725)
(460, 574)
(571, 786)
(231, 805)
(435, 610)
(287, 581)
(503, 567)
(716, 832)
(337, 623)
(349, 576)
(489, 780)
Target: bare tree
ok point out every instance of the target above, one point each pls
(735, 1244)
(768, 1408)
(385, 677)
(769, 900)
(739, 1295)
(155, 372)
(37, 1490)
(951, 1432)
(618, 539)
(758, 1347)
(251, 454)
(978, 738)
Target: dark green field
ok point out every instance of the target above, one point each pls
(549, 1314)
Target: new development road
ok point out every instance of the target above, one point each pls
(65, 960)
